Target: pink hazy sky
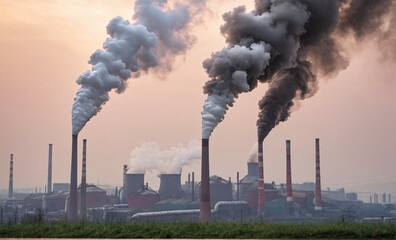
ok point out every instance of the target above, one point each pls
(45, 46)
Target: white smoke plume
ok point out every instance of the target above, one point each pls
(253, 157)
(149, 157)
(156, 37)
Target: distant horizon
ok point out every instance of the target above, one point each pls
(46, 46)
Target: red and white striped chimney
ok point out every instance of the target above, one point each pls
(318, 190)
(261, 197)
(83, 189)
(11, 180)
(205, 211)
(289, 191)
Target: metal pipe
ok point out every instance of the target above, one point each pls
(83, 189)
(49, 183)
(72, 209)
(11, 179)
(205, 212)
(318, 190)
(289, 191)
(192, 187)
(237, 197)
(261, 196)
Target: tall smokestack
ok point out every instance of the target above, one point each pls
(11, 180)
(49, 183)
(318, 190)
(189, 183)
(289, 191)
(72, 208)
(261, 197)
(83, 190)
(205, 213)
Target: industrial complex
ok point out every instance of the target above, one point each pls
(225, 199)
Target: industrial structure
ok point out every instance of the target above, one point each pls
(247, 199)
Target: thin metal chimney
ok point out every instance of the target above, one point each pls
(49, 183)
(192, 187)
(237, 194)
(72, 208)
(205, 211)
(261, 197)
(83, 190)
(11, 180)
(318, 190)
(289, 191)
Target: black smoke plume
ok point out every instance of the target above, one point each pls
(303, 39)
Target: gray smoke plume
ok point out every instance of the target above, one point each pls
(302, 38)
(253, 40)
(156, 37)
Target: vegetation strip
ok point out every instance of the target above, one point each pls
(337, 230)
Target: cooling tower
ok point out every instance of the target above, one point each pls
(83, 190)
(253, 169)
(49, 183)
(133, 183)
(170, 186)
(72, 203)
(205, 212)
(11, 179)
(318, 190)
(289, 191)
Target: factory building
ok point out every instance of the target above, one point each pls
(55, 201)
(220, 190)
(143, 198)
(95, 197)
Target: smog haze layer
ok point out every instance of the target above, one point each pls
(46, 46)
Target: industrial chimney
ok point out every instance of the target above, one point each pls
(318, 190)
(170, 186)
(72, 203)
(205, 210)
(49, 183)
(83, 190)
(261, 197)
(11, 180)
(289, 191)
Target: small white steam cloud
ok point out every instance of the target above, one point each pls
(156, 38)
(149, 157)
(253, 153)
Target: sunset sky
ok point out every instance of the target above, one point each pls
(45, 46)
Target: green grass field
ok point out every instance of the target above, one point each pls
(199, 230)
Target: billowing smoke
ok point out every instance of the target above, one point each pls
(302, 41)
(149, 157)
(156, 37)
